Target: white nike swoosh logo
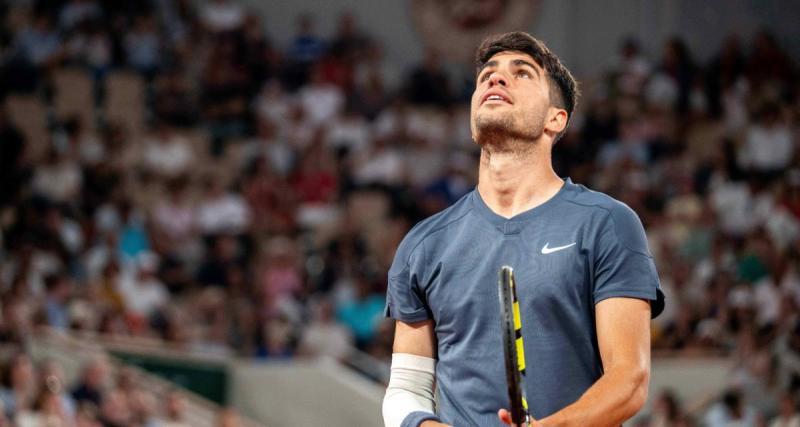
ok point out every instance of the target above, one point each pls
(548, 250)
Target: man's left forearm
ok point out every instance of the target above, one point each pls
(617, 396)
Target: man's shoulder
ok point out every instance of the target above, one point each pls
(435, 224)
(612, 216)
(585, 198)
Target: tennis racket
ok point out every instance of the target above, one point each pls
(512, 346)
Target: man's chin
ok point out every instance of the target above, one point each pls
(503, 135)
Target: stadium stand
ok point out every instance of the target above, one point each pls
(168, 173)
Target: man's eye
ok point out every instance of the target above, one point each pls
(484, 77)
(523, 73)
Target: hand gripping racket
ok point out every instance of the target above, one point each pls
(512, 346)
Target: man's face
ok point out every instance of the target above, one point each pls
(511, 99)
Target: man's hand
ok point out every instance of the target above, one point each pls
(432, 424)
(505, 417)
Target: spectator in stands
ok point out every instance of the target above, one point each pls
(87, 417)
(142, 292)
(174, 102)
(93, 383)
(77, 12)
(323, 336)
(257, 52)
(269, 148)
(51, 378)
(273, 105)
(322, 101)
(633, 68)
(134, 238)
(672, 83)
(275, 338)
(349, 42)
(347, 46)
(731, 410)
(11, 158)
(768, 64)
(314, 182)
(18, 391)
(787, 351)
(303, 51)
(16, 318)
(47, 411)
(725, 73)
(92, 47)
(115, 410)
(223, 254)
(379, 162)
(173, 220)
(306, 47)
(167, 153)
(768, 147)
(222, 210)
(428, 84)
(229, 418)
(362, 313)
(58, 291)
(789, 415)
(143, 47)
(40, 45)
(269, 197)
(174, 411)
(667, 411)
(226, 85)
(373, 78)
(348, 132)
(58, 179)
(279, 276)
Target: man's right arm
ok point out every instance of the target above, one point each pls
(415, 341)
(415, 338)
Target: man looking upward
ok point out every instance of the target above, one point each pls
(586, 281)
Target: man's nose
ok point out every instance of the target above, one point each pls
(497, 79)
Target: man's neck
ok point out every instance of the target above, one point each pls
(513, 181)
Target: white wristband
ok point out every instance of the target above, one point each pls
(410, 388)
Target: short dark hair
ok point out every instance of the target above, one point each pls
(564, 90)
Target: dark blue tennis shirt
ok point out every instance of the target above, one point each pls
(573, 251)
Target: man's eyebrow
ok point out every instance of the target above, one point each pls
(488, 64)
(516, 63)
(521, 62)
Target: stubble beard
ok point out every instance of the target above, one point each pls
(504, 135)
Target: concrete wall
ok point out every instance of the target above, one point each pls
(286, 394)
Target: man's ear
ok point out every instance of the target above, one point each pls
(557, 119)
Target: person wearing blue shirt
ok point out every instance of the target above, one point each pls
(586, 280)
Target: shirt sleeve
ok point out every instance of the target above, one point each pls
(405, 300)
(623, 265)
(414, 419)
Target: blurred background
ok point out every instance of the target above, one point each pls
(199, 200)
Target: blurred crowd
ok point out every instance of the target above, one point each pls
(250, 200)
(707, 154)
(36, 395)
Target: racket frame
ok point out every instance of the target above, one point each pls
(514, 362)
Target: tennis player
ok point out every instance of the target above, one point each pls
(586, 280)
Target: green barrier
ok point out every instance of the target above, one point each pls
(209, 380)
